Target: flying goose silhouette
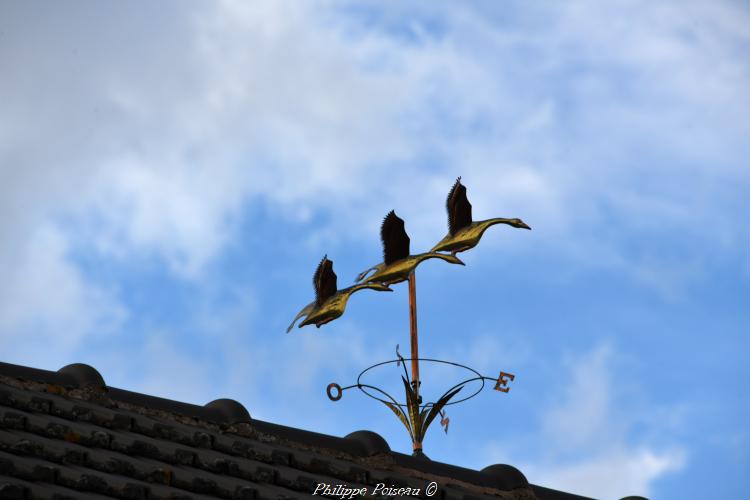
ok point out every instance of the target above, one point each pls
(463, 234)
(397, 264)
(329, 302)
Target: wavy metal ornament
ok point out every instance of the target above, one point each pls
(400, 265)
(414, 415)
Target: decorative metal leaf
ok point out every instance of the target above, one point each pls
(422, 417)
(436, 409)
(412, 404)
(401, 416)
(424, 411)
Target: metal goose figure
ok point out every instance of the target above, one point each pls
(397, 264)
(463, 234)
(329, 302)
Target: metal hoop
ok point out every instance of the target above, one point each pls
(364, 387)
(338, 395)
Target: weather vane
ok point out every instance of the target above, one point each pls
(399, 265)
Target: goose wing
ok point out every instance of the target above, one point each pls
(324, 281)
(394, 237)
(459, 208)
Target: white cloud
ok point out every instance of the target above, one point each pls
(613, 475)
(150, 131)
(46, 306)
(582, 444)
(183, 213)
(583, 414)
(163, 360)
(168, 135)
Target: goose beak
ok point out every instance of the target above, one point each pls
(525, 226)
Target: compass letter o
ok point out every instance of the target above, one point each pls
(502, 381)
(334, 396)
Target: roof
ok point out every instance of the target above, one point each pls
(66, 434)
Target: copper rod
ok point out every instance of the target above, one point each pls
(413, 331)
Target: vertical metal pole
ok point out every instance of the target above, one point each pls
(413, 331)
(414, 342)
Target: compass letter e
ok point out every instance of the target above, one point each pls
(502, 381)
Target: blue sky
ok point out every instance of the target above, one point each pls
(171, 175)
